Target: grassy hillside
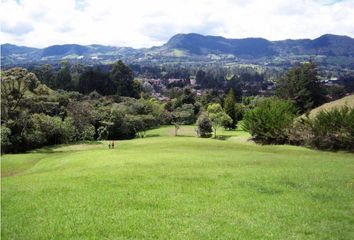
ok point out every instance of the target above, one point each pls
(167, 187)
(348, 100)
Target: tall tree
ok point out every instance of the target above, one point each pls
(63, 79)
(302, 86)
(122, 77)
(229, 106)
(93, 79)
(217, 116)
(46, 75)
(15, 82)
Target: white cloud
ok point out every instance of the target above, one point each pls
(142, 23)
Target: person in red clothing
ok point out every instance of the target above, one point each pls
(112, 144)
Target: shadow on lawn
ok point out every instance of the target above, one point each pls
(55, 148)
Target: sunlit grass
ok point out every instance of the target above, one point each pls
(167, 187)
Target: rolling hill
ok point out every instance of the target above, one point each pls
(327, 49)
(167, 187)
(345, 101)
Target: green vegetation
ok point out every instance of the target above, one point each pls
(333, 129)
(204, 126)
(177, 188)
(218, 117)
(270, 121)
(302, 86)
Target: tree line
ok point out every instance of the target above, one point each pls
(42, 108)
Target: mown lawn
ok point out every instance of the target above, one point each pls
(177, 188)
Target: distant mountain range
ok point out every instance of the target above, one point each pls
(328, 49)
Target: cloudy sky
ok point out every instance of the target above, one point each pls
(145, 23)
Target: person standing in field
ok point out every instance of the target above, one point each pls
(112, 144)
(109, 146)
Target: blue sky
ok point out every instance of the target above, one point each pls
(145, 23)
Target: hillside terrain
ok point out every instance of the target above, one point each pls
(177, 188)
(345, 101)
(331, 50)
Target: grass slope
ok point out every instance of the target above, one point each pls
(177, 188)
(346, 101)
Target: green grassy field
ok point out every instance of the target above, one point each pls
(165, 187)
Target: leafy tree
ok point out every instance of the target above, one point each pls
(5, 138)
(122, 77)
(229, 106)
(15, 82)
(82, 116)
(46, 75)
(182, 115)
(217, 116)
(240, 110)
(93, 79)
(302, 86)
(270, 120)
(102, 133)
(63, 79)
(47, 130)
(187, 96)
(204, 126)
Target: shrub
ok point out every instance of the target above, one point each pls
(49, 130)
(270, 121)
(333, 129)
(204, 126)
(218, 117)
(102, 133)
(5, 138)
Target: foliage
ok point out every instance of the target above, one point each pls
(122, 78)
(270, 120)
(204, 126)
(102, 133)
(332, 130)
(183, 115)
(229, 106)
(218, 117)
(63, 78)
(5, 138)
(46, 75)
(15, 82)
(302, 86)
(93, 79)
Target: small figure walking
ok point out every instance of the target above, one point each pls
(112, 144)
(109, 146)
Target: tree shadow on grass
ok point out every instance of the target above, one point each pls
(54, 148)
(222, 137)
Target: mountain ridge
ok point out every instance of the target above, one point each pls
(187, 46)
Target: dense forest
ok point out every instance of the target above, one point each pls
(46, 105)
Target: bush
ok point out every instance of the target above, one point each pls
(102, 133)
(86, 133)
(204, 126)
(218, 117)
(47, 130)
(5, 138)
(270, 121)
(333, 129)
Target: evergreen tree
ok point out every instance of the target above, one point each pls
(63, 79)
(122, 77)
(302, 86)
(229, 107)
